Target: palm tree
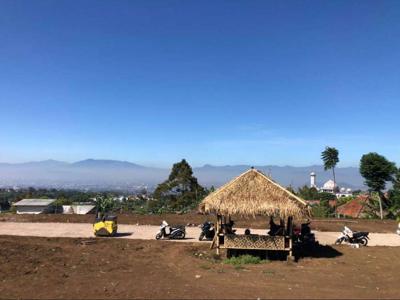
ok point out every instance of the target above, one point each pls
(330, 157)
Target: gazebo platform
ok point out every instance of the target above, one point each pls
(250, 194)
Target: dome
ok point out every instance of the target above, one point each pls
(312, 174)
(329, 185)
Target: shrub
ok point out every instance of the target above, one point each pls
(243, 260)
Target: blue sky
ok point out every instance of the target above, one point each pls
(220, 82)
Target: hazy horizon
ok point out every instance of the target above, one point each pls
(127, 175)
(167, 166)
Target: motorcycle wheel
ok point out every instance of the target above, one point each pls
(363, 241)
(339, 241)
(201, 236)
(181, 236)
(158, 236)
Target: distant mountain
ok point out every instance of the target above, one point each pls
(104, 163)
(43, 163)
(98, 173)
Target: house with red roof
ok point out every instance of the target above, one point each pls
(354, 208)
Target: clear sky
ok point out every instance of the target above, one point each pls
(219, 82)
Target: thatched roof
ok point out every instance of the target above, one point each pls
(253, 193)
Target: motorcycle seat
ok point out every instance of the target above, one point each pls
(360, 234)
(181, 227)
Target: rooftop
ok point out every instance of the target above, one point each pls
(34, 202)
(253, 193)
(354, 207)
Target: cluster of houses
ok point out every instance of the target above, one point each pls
(354, 208)
(38, 206)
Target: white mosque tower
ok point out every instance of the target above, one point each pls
(313, 180)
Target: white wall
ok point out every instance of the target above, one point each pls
(31, 209)
(82, 209)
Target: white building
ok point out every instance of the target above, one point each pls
(78, 209)
(34, 206)
(330, 187)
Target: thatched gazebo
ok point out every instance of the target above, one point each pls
(250, 194)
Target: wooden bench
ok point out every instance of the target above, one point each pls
(256, 242)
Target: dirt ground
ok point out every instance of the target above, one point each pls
(60, 268)
(148, 232)
(383, 226)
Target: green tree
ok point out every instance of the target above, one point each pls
(104, 204)
(312, 193)
(394, 196)
(322, 210)
(377, 170)
(308, 193)
(181, 190)
(330, 157)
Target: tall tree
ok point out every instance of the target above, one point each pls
(330, 157)
(394, 196)
(181, 190)
(377, 170)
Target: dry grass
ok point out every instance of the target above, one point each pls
(253, 193)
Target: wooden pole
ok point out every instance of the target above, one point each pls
(290, 233)
(218, 232)
(290, 249)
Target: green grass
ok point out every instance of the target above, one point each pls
(243, 260)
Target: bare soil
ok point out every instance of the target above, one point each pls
(61, 268)
(381, 226)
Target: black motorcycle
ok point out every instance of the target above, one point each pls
(348, 236)
(207, 231)
(175, 232)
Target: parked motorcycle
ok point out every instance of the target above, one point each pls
(348, 236)
(207, 231)
(166, 231)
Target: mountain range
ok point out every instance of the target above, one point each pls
(104, 174)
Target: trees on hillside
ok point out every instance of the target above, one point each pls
(394, 196)
(311, 193)
(377, 170)
(181, 190)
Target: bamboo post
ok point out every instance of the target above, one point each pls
(290, 257)
(290, 234)
(217, 232)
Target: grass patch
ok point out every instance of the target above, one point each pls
(243, 260)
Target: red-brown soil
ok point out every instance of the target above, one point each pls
(384, 226)
(62, 268)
